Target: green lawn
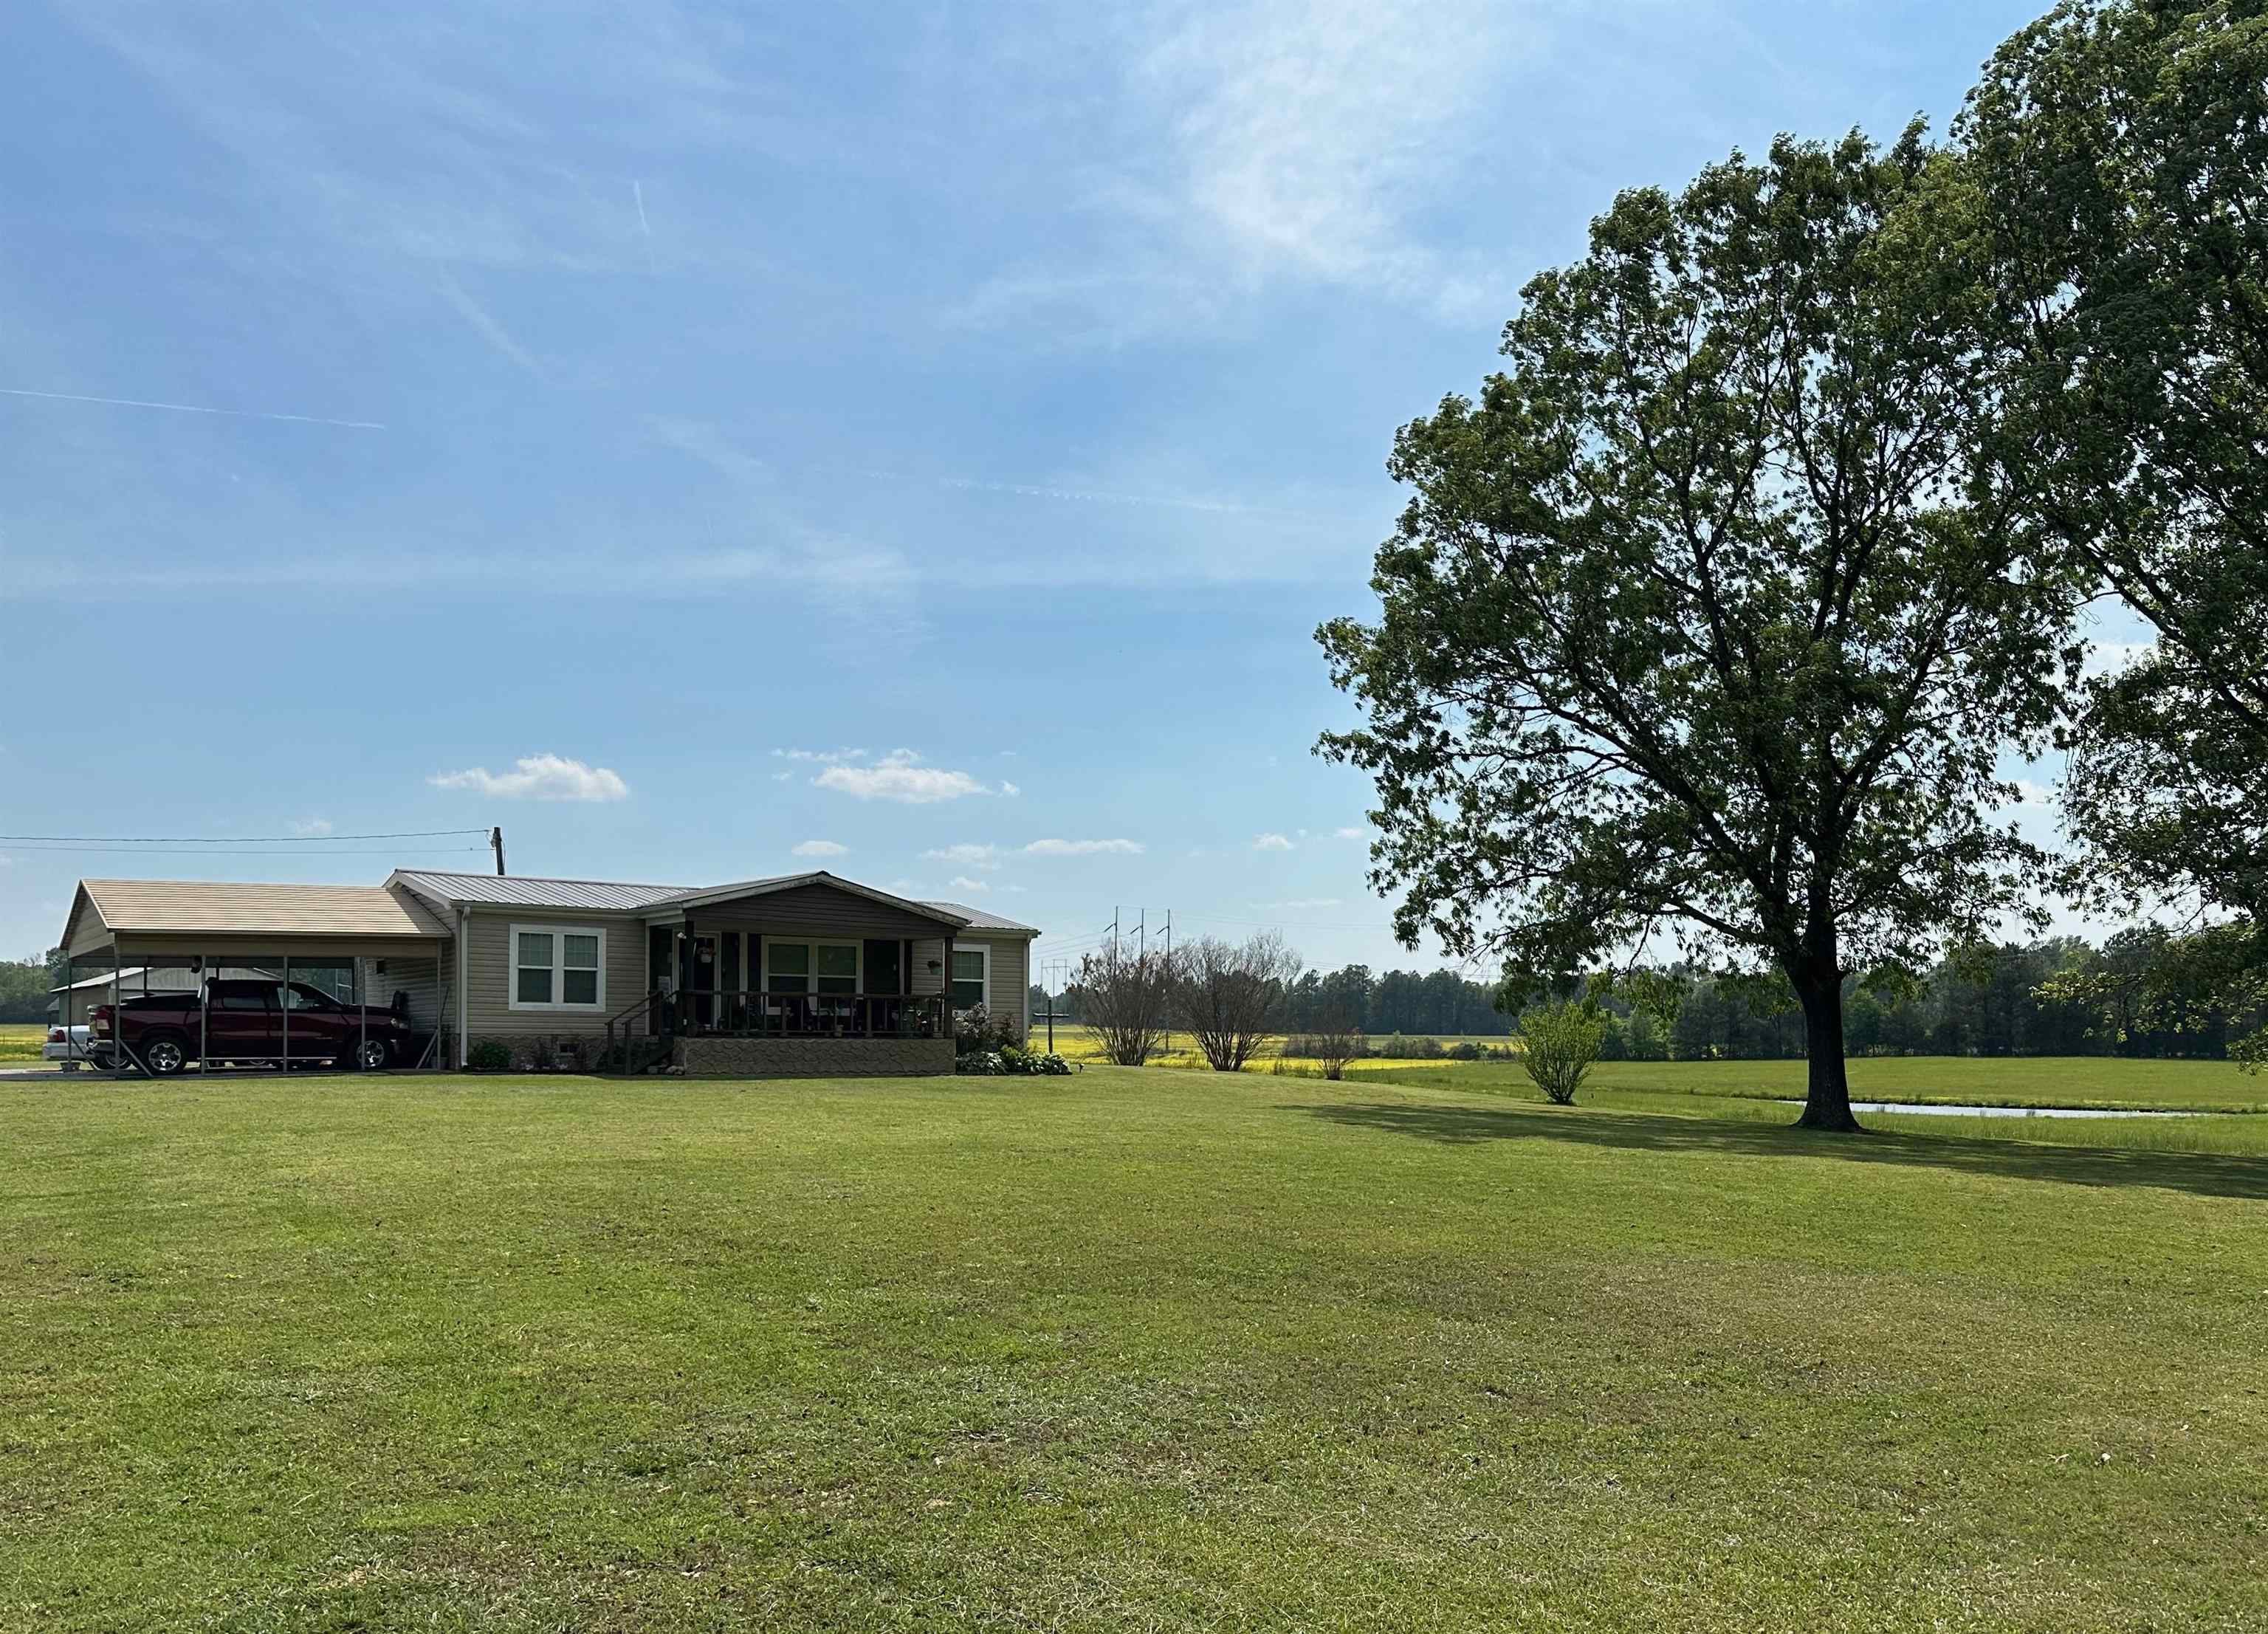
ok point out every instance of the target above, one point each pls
(1126, 1351)
(20, 1041)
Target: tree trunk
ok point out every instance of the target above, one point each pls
(1827, 1100)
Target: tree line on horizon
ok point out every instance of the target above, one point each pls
(2062, 996)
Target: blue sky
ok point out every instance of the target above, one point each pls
(999, 392)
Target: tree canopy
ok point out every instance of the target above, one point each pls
(2118, 152)
(1708, 619)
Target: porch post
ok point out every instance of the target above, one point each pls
(944, 988)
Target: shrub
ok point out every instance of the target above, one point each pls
(1011, 1062)
(978, 1031)
(1562, 1042)
(1465, 1049)
(489, 1054)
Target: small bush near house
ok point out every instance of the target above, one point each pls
(1562, 1043)
(978, 1031)
(1011, 1062)
(490, 1055)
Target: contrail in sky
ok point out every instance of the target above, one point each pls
(240, 413)
(637, 193)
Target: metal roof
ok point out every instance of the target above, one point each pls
(520, 891)
(229, 909)
(979, 920)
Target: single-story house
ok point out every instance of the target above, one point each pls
(804, 975)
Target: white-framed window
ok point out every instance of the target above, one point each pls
(972, 977)
(799, 966)
(558, 966)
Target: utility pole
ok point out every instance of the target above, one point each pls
(495, 843)
(1169, 967)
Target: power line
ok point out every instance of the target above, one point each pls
(272, 839)
(146, 851)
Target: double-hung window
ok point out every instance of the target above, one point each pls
(811, 967)
(972, 977)
(559, 967)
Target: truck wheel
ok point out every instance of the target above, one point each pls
(371, 1056)
(164, 1056)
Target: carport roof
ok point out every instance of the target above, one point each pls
(216, 908)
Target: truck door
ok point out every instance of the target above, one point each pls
(319, 1027)
(243, 1023)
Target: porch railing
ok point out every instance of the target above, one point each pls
(716, 1012)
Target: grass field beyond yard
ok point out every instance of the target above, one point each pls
(1132, 1350)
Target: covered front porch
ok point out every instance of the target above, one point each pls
(815, 978)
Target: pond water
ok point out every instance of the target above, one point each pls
(2003, 1111)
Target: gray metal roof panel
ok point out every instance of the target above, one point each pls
(979, 920)
(521, 891)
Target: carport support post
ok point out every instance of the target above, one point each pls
(283, 998)
(205, 1009)
(362, 1018)
(117, 1021)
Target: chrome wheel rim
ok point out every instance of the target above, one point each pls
(165, 1057)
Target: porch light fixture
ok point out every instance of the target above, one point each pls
(936, 964)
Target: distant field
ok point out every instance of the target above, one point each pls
(20, 1041)
(1943, 1080)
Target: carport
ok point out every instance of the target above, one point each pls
(356, 944)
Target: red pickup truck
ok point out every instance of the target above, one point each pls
(251, 1022)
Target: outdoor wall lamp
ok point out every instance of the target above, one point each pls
(936, 964)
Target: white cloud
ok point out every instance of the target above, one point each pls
(824, 757)
(821, 848)
(968, 854)
(2108, 657)
(538, 777)
(963, 882)
(900, 776)
(1083, 847)
(1350, 834)
(309, 828)
(1270, 842)
(1009, 788)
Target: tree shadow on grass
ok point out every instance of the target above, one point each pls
(2212, 1175)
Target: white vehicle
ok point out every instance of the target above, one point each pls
(68, 1045)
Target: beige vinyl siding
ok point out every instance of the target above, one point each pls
(420, 978)
(488, 976)
(1010, 976)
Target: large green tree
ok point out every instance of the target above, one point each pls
(2119, 150)
(1703, 621)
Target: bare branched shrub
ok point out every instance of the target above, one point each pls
(1333, 1044)
(1228, 994)
(1126, 1002)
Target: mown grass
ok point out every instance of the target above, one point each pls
(1129, 1350)
(21, 1041)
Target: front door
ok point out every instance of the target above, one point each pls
(885, 977)
(701, 979)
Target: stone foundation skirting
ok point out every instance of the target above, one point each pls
(815, 1058)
